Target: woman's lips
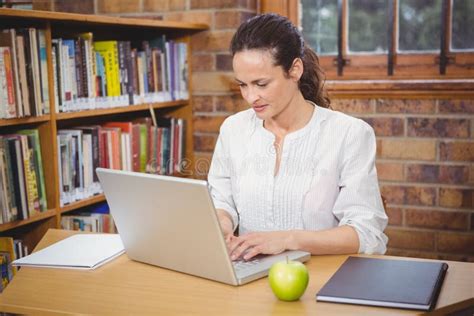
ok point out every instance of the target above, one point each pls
(259, 108)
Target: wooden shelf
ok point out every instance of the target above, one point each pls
(116, 110)
(24, 120)
(103, 20)
(15, 224)
(82, 203)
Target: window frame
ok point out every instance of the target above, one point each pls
(406, 65)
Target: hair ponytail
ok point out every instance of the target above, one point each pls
(311, 83)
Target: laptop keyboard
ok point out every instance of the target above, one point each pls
(241, 265)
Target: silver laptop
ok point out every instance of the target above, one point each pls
(171, 222)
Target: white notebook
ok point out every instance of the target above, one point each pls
(82, 251)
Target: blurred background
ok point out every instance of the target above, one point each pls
(404, 66)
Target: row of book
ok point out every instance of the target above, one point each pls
(22, 186)
(92, 74)
(95, 219)
(23, 73)
(10, 250)
(138, 145)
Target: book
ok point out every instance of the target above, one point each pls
(34, 144)
(8, 85)
(22, 77)
(8, 39)
(82, 251)
(43, 69)
(108, 51)
(7, 246)
(394, 283)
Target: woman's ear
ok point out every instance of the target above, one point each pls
(296, 70)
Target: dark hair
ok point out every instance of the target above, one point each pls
(282, 39)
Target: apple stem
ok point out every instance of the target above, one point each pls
(287, 260)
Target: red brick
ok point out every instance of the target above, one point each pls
(203, 62)
(202, 104)
(408, 195)
(83, 7)
(156, 5)
(454, 174)
(420, 196)
(456, 106)
(224, 62)
(386, 126)
(208, 124)
(211, 82)
(456, 243)
(212, 41)
(176, 5)
(205, 142)
(390, 171)
(438, 174)
(456, 151)
(118, 6)
(252, 4)
(206, 4)
(189, 16)
(230, 103)
(425, 127)
(353, 105)
(393, 194)
(405, 106)
(230, 19)
(423, 173)
(456, 198)
(436, 219)
(409, 239)
(406, 149)
(43, 5)
(395, 216)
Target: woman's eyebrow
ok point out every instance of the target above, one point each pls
(253, 81)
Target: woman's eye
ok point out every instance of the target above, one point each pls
(261, 85)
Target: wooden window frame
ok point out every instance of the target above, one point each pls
(423, 65)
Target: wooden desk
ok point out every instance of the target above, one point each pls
(128, 287)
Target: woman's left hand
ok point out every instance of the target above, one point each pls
(252, 244)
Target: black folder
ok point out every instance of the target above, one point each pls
(406, 284)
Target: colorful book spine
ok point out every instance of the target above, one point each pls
(108, 51)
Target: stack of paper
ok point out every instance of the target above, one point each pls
(82, 251)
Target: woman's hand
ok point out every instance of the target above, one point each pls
(252, 244)
(226, 224)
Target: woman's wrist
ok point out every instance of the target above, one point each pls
(291, 242)
(226, 222)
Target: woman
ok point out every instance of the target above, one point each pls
(290, 173)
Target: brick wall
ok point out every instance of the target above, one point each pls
(425, 146)
(425, 151)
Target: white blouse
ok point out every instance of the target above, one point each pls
(326, 177)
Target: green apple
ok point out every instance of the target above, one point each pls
(288, 279)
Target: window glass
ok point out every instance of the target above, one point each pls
(319, 23)
(463, 25)
(419, 25)
(368, 26)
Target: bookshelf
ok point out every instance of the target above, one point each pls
(64, 25)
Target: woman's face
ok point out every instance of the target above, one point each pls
(266, 87)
